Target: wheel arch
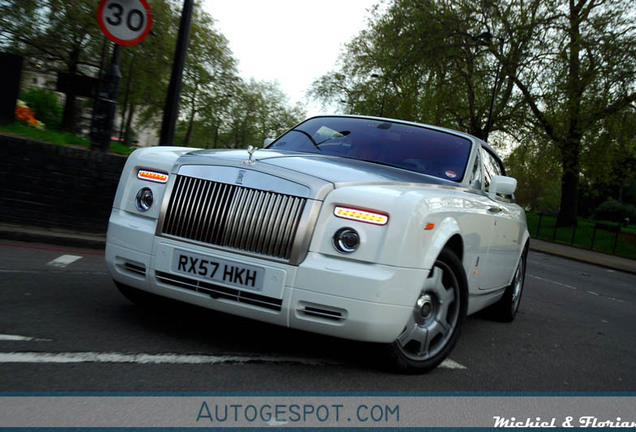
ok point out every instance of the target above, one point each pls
(407, 352)
(456, 244)
(447, 235)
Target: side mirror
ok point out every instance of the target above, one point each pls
(268, 141)
(502, 185)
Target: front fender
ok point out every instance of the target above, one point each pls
(441, 234)
(159, 159)
(420, 224)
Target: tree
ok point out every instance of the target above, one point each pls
(608, 161)
(434, 61)
(65, 35)
(536, 167)
(210, 73)
(147, 80)
(558, 70)
(582, 73)
(60, 33)
(20, 20)
(259, 110)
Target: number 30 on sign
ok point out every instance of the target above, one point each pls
(125, 22)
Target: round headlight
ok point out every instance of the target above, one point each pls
(144, 199)
(346, 240)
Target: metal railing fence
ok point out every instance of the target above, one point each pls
(608, 237)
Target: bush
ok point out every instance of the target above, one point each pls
(45, 105)
(612, 210)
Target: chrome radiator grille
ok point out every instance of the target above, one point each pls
(235, 217)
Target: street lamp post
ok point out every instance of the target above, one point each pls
(171, 106)
(384, 84)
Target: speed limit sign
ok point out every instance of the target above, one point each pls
(125, 22)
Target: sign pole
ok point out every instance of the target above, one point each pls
(106, 105)
(125, 22)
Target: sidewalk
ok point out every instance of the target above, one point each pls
(97, 241)
(584, 255)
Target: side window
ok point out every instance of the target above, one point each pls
(475, 173)
(491, 168)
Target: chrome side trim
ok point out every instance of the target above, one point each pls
(305, 231)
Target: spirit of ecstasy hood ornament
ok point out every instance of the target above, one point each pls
(250, 151)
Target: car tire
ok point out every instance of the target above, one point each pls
(438, 315)
(505, 310)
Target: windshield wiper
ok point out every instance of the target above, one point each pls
(336, 135)
(313, 141)
(317, 144)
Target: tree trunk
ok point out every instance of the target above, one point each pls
(186, 139)
(568, 211)
(571, 145)
(131, 110)
(193, 99)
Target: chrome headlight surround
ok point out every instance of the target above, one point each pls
(144, 199)
(346, 240)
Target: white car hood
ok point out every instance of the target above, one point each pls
(335, 170)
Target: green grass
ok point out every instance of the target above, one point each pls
(600, 236)
(58, 137)
(119, 148)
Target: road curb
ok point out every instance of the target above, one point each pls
(50, 236)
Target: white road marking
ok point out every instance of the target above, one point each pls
(64, 260)
(451, 364)
(83, 272)
(170, 358)
(575, 288)
(6, 337)
(553, 282)
(94, 357)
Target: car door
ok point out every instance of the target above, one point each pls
(503, 250)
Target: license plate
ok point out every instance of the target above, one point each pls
(218, 270)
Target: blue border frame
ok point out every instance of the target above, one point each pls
(320, 394)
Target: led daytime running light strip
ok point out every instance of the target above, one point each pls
(152, 176)
(361, 215)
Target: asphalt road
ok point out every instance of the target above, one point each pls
(64, 327)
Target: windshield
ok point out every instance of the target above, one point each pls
(411, 147)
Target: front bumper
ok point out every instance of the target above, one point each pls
(324, 294)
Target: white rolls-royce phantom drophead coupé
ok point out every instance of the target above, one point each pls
(363, 228)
